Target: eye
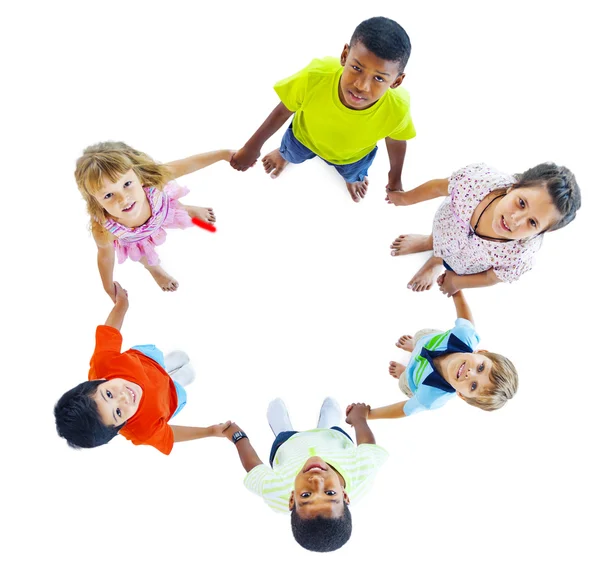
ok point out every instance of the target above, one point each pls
(473, 386)
(305, 494)
(108, 394)
(128, 183)
(481, 367)
(532, 223)
(118, 412)
(330, 492)
(379, 79)
(108, 196)
(521, 203)
(355, 68)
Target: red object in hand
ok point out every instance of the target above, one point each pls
(204, 225)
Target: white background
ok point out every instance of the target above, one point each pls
(296, 295)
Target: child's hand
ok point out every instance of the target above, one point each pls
(219, 429)
(357, 411)
(394, 196)
(244, 158)
(121, 297)
(446, 283)
(230, 430)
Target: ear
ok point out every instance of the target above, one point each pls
(346, 498)
(344, 55)
(398, 81)
(481, 350)
(461, 396)
(291, 502)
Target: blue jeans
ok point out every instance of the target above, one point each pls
(151, 351)
(295, 152)
(447, 266)
(285, 435)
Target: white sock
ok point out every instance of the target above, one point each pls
(184, 375)
(175, 360)
(330, 414)
(278, 417)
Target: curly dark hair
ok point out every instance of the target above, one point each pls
(385, 38)
(322, 534)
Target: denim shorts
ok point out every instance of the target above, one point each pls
(151, 351)
(285, 435)
(295, 152)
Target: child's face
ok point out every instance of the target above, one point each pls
(468, 373)
(366, 77)
(117, 401)
(318, 490)
(524, 212)
(124, 199)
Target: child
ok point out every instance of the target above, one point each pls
(443, 364)
(342, 109)
(313, 473)
(135, 393)
(490, 226)
(131, 199)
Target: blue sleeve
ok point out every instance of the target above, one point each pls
(465, 331)
(413, 406)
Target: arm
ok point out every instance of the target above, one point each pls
(117, 314)
(429, 190)
(196, 162)
(248, 456)
(396, 153)
(356, 415)
(248, 154)
(106, 259)
(181, 433)
(462, 308)
(450, 282)
(395, 411)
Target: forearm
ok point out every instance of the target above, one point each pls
(395, 411)
(248, 457)
(197, 162)
(462, 308)
(106, 267)
(116, 316)
(480, 280)
(429, 190)
(181, 433)
(363, 432)
(397, 153)
(279, 115)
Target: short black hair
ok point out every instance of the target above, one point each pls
(385, 38)
(561, 186)
(78, 420)
(322, 534)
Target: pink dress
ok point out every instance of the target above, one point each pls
(454, 240)
(138, 243)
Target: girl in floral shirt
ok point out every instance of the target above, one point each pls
(490, 225)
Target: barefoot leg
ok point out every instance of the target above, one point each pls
(406, 342)
(274, 163)
(164, 280)
(427, 275)
(396, 369)
(358, 189)
(206, 214)
(411, 244)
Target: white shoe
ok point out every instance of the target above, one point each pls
(175, 360)
(184, 375)
(330, 414)
(278, 417)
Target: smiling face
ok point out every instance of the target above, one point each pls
(365, 77)
(125, 200)
(524, 212)
(117, 401)
(468, 373)
(318, 491)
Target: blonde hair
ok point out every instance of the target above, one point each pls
(505, 381)
(110, 160)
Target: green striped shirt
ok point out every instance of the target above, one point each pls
(357, 465)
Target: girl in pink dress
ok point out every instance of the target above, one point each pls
(131, 200)
(490, 225)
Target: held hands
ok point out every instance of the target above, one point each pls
(244, 158)
(446, 282)
(229, 430)
(219, 430)
(357, 412)
(394, 197)
(120, 296)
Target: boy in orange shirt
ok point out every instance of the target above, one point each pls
(134, 393)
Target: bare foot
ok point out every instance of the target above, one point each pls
(166, 282)
(358, 189)
(206, 214)
(426, 276)
(274, 163)
(396, 369)
(405, 342)
(411, 244)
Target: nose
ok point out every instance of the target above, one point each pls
(123, 396)
(362, 84)
(316, 481)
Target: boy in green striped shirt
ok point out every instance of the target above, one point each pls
(314, 473)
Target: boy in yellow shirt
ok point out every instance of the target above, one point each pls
(342, 109)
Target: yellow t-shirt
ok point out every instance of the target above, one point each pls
(330, 129)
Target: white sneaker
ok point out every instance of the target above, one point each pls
(330, 414)
(184, 375)
(175, 360)
(278, 417)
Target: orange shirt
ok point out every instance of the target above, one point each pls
(149, 424)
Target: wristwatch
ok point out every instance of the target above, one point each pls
(238, 435)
